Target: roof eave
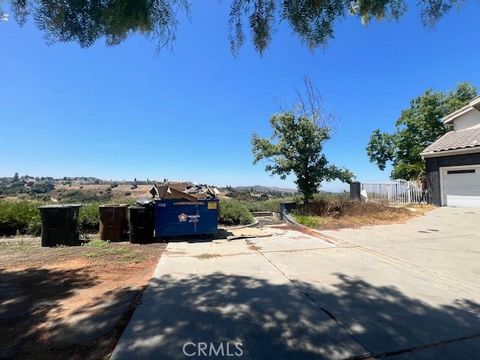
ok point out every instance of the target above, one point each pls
(431, 154)
(472, 105)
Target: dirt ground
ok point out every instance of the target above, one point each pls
(69, 302)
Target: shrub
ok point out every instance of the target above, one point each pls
(41, 188)
(329, 206)
(233, 212)
(78, 196)
(89, 218)
(272, 205)
(311, 221)
(19, 217)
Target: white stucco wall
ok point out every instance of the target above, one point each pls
(469, 119)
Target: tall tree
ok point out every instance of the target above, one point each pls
(416, 128)
(296, 146)
(86, 21)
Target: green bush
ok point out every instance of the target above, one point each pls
(311, 221)
(89, 218)
(19, 217)
(41, 188)
(23, 217)
(78, 196)
(233, 212)
(272, 205)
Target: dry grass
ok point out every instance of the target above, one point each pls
(420, 208)
(26, 251)
(350, 214)
(120, 193)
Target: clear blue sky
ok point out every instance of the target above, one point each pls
(123, 112)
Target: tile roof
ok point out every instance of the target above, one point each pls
(456, 140)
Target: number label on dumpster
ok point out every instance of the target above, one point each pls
(193, 218)
(212, 205)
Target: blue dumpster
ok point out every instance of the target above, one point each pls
(177, 217)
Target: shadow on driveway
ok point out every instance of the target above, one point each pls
(293, 320)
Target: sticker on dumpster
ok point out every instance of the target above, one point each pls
(193, 218)
(212, 205)
(182, 217)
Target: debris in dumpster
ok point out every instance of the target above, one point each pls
(190, 192)
(212, 192)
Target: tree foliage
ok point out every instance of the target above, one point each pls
(416, 128)
(296, 146)
(312, 20)
(87, 21)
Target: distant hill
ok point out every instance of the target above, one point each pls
(264, 189)
(90, 189)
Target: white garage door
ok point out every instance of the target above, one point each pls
(461, 186)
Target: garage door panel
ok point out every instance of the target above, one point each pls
(461, 187)
(463, 201)
(452, 189)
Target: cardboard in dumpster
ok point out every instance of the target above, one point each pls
(190, 193)
(199, 191)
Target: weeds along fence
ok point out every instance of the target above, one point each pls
(394, 192)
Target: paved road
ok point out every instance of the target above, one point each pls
(397, 291)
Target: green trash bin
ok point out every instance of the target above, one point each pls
(60, 225)
(141, 224)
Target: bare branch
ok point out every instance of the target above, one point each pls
(310, 104)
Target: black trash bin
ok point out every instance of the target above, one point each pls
(141, 224)
(60, 225)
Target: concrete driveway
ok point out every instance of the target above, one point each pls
(397, 291)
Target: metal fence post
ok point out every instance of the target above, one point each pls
(355, 188)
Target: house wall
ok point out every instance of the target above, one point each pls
(432, 169)
(469, 119)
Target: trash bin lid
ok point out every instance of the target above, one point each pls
(143, 202)
(59, 206)
(113, 205)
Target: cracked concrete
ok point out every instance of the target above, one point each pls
(396, 291)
